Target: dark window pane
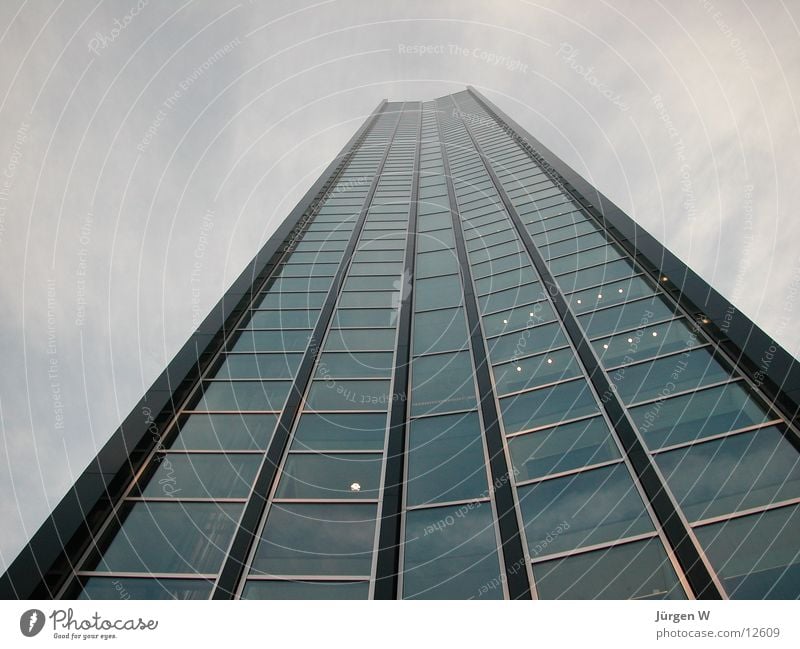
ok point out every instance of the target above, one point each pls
(645, 342)
(274, 589)
(303, 284)
(582, 509)
(698, 414)
(610, 294)
(509, 279)
(116, 588)
(662, 377)
(451, 553)
(317, 539)
(304, 270)
(202, 475)
(534, 371)
(547, 406)
(432, 264)
(572, 246)
(584, 259)
(330, 476)
(357, 339)
(258, 366)
(499, 265)
(438, 240)
(244, 395)
(733, 473)
(284, 340)
(380, 268)
(364, 318)
(511, 297)
(225, 432)
(282, 319)
(292, 300)
(596, 275)
(518, 318)
(340, 431)
(756, 556)
(437, 292)
(442, 383)
(383, 299)
(355, 365)
(348, 395)
(526, 342)
(438, 331)
(446, 461)
(638, 570)
(373, 283)
(172, 537)
(565, 447)
(625, 316)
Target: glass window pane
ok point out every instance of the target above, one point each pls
(509, 279)
(289, 284)
(582, 509)
(584, 259)
(433, 264)
(518, 318)
(446, 461)
(526, 342)
(610, 294)
(348, 395)
(553, 234)
(645, 342)
(451, 553)
(499, 265)
(382, 299)
(570, 218)
(373, 283)
(225, 432)
(317, 539)
(437, 292)
(662, 377)
(380, 268)
(172, 537)
(288, 590)
(379, 256)
(565, 447)
(284, 340)
(698, 414)
(437, 331)
(596, 275)
(534, 371)
(733, 473)
(321, 476)
(571, 246)
(638, 570)
(304, 270)
(116, 588)
(438, 240)
(364, 318)
(357, 339)
(340, 431)
(243, 395)
(625, 316)
(756, 556)
(442, 383)
(258, 366)
(547, 406)
(202, 475)
(511, 297)
(292, 300)
(355, 365)
(282, 319)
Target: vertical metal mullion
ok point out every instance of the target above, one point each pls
(691, 557)
(389, 541)
(245, 535)
(516, 575)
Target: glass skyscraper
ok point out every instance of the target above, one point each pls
(456, 371)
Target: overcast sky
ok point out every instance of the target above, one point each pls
(135, 136)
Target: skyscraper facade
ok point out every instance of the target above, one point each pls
(456, 371)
